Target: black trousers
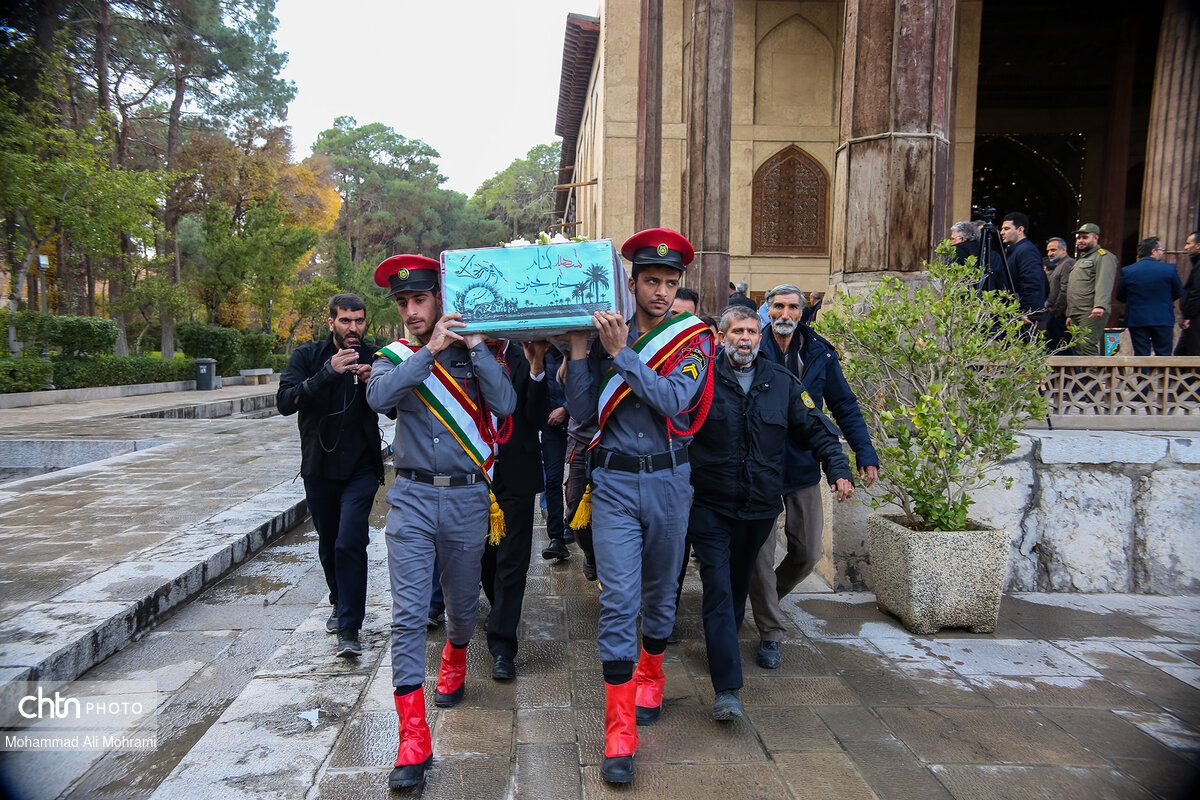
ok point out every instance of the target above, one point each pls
(554, 451)
(505, 567)
(727, 548)
(1156, 337)
(340, 510)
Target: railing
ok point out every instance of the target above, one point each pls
(1124, 392)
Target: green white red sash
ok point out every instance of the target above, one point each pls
(451, 404)
(655, 348)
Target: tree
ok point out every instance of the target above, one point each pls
(522, 194)
(54, 178)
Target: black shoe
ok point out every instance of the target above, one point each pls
(449, 700)
(727, 705)
(348, 644)
(556, 549)
(768, 655)
(647, 716)
(617, 770)
(331, 625)
(409, 775)
(567, 536)
(435, 619)
(589, 568)
(503, 668)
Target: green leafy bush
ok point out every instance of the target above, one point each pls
(77, 372)
(945, 375)
(256, 349)
(24, 374)
(80, 335)
(35, 329)
(211, 341)
(277, 362)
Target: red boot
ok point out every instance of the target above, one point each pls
(416, 749)
(452, 677)
(620, 732)
(650, 682)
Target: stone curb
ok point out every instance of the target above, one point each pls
(57, 396)
(68, 636)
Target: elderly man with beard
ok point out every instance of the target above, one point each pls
(738, 476)
(807, 356)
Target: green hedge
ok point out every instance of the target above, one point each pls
(256, 349)
(278, 362)
(24, 374)
(70, 334)
(211, 341)
(77, 372)
(85, 335)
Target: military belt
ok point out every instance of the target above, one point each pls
(439, 480)
(652, 463)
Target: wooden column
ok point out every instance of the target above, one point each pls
(1116, 150)
(710, 120)
(647, 204)
(892, 166)
(1171, 190)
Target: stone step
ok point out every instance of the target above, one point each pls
(61, 639)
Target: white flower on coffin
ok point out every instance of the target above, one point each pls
(520, 241)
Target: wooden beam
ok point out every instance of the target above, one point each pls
(647, 202)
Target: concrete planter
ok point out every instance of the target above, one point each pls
(931, 580)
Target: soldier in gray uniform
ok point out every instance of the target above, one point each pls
(640, 491)
(441, 499)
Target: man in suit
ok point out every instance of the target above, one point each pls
(1189, 306)
(1149, 289)
(518, 479)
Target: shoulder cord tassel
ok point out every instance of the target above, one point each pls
(583, 514)
(495, 521)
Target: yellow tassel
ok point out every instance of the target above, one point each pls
(495, 522)
(583, 514)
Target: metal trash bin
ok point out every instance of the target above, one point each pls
(206, 368)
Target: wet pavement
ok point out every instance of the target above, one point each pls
(1074, 696)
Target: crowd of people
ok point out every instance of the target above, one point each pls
(650, 437)
(1057, 291)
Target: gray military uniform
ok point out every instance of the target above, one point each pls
(451, 521)
(639, 518)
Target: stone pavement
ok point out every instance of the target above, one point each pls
(1074, 696)
(151, 499)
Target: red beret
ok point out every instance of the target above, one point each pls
(407, 273)
(659, 246)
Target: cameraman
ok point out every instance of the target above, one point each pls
(341, 462)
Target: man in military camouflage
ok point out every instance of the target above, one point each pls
(638, 381)
(1090, 288)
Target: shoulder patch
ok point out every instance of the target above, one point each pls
(807, 400)
(690, 370)
(1102, 251)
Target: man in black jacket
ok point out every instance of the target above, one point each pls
(738, 459)
(1189, 305)
(341, 462)
(516, 484)
(1025, 267)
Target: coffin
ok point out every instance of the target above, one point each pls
(534, 291)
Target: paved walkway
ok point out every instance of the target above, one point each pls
(1074, 696)
(93, 553)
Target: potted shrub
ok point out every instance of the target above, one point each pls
(945, 376)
